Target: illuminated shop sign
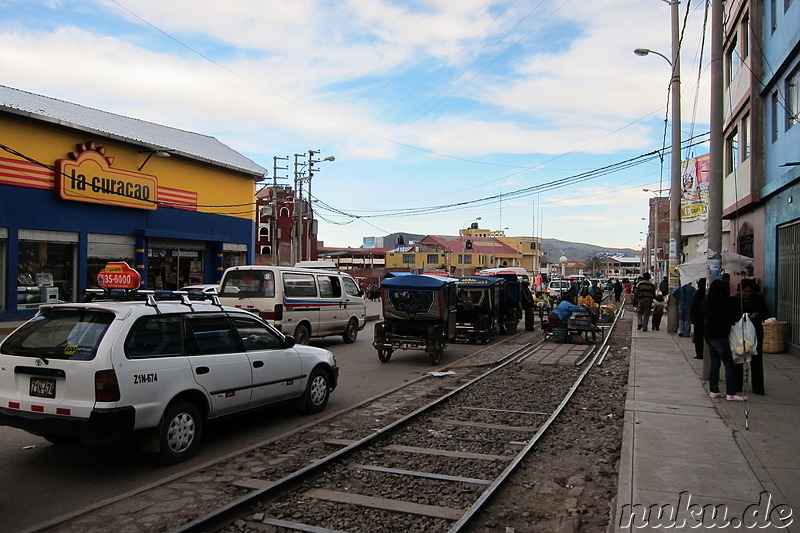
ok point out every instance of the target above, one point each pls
(87, 176)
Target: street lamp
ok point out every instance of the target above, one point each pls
(645, 51)
(675, 157)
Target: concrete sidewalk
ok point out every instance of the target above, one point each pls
(682, 449)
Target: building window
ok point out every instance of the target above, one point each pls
(732, 151)
(263, 233)
(792, 99)
(464, 259)
(732, 59)
(433, 259)
(775, 115)
(744, 35)
(745, 138)
(46, 273)
(266, 250)
(409, 259)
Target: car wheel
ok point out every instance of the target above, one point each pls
(384, 354)
(351, 331)
(302, 334)
(317, 392)
(179, 434)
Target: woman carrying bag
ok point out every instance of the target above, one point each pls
(721, 312)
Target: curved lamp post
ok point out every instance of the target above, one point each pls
(675, 159)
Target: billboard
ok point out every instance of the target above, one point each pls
(694, 188)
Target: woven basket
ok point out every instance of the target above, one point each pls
(775, 337)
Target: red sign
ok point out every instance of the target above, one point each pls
(119, 276)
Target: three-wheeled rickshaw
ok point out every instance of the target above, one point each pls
(478, 315)
(419, 312)
(516, 300)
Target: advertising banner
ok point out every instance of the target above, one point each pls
(694, 188)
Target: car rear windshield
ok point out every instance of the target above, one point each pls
(64, 334)
(248, 284)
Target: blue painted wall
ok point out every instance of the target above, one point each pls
(37, 209)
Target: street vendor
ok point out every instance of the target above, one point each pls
(559, 316)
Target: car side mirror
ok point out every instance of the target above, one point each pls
(289, 341)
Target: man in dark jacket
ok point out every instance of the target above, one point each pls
(645, 292)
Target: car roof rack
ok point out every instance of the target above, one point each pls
(149, 297)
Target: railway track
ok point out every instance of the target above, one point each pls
(243, 489)
(431, 470)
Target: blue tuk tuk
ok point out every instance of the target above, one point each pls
(478, 310)
(419, 312)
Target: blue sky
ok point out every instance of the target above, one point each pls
(437, 111)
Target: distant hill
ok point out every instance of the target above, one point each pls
(554, 248)
(578, 251)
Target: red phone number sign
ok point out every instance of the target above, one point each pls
(119, 276)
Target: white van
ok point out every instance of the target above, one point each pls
(302, 302)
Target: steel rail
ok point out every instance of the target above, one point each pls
(226, 514)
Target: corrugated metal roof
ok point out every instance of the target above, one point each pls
(131, 130)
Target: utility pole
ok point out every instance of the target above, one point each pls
(273, 229)
(675, 243)
(714, 220)
(309, 210)
(297, 218)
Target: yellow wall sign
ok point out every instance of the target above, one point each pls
(88, 177)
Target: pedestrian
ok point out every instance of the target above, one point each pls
(658, 310)
(617, 290)
(636, 292)
(609, 288)
(753, 304)
(664, 285)
(586, 301)
(572, 294)
(645, 293)
(684, 295)
(697, 318)
(720, 314)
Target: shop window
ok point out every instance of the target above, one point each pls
(104, 249)
(46, 273)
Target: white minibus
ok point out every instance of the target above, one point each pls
(302, 302)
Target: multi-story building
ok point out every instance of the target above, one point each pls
(743, 156)
(82, 187)
(780, 94)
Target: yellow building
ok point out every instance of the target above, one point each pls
(81, 187)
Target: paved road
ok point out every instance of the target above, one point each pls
(40, 482)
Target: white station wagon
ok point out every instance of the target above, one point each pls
(157, 369)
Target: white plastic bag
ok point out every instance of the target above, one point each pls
(743, 339)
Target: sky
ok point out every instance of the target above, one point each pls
(533, 115)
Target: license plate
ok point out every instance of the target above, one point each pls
(43, 387)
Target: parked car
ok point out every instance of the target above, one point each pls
(557, 287)
(155, 369)
(202, 289)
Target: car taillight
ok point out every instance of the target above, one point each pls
(106, 386)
